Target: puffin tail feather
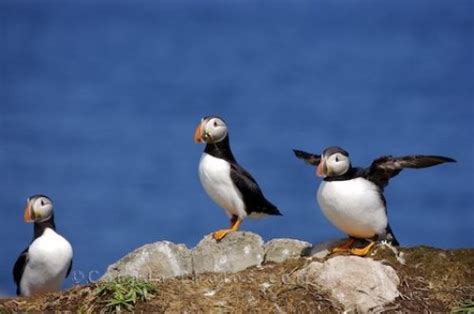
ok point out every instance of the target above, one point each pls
(390, 236)
(274, 211)
(271, 209)
(265, 209)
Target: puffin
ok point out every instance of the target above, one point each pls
(47, 261)
(352, 198)
(226, 182)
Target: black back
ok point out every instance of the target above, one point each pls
(253, 197)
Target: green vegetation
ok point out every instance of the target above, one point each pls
(466, 307)
(431, 280)
(123, 293)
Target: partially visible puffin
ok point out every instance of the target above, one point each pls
(47, 261)
(225, 181)
(352, 198)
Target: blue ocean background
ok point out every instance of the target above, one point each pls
(99, 101)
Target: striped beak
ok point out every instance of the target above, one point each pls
(198, 133)
(321, 170)
(29, 215)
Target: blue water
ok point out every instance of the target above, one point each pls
(98, 104)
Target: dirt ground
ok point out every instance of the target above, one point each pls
(430, 280)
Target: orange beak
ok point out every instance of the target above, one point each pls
(198, 133)
(321, 169)
(27, 215)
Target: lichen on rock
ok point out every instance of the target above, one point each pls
(359, 284)
(155, 261)
(236, 252)
(279, 250)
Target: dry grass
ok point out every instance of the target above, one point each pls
(431, 280)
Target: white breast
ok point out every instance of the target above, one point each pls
(353, 206)
(214, 174)
(49, 257)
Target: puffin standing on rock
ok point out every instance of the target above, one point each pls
(47, 261)
(352, 198)
(225, 181)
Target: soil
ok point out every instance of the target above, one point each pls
(431, 279)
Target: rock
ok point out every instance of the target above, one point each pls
(359, 284)
(236, 252)
(154, 261)
(321, 250)
(279, 250)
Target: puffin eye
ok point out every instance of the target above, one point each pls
(337, 159)
(215, 123)
(42, 202)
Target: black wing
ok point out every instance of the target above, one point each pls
(69, 269)
(386, 167)
(309, 158)
(19, 267)
(251, 193)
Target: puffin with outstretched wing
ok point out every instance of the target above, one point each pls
(352, 198)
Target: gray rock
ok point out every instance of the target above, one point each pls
(236, 252)
(279, 250)
(153, 261)
(323, 249)
(359, 284)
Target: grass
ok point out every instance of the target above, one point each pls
(123, 293)
(466, 307)
(431, 280)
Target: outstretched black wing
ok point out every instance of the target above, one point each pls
(18, 269)
(386, 167)
(309, 158)
(251, 193)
